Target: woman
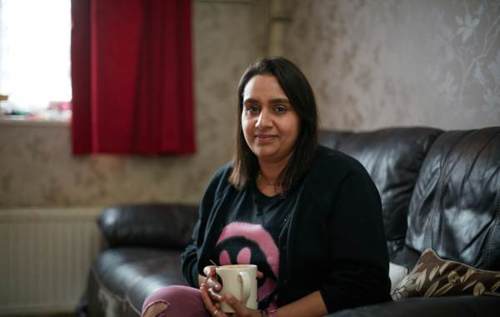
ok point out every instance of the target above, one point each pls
(307, 216)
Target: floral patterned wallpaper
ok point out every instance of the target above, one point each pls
(400, 62)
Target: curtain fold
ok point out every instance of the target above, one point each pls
(132, 77)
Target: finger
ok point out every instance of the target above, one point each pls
(207, 301)
(213, 308)
(212, 283)
(260, 274)
(214, 295)
(239, 308)
(218, 311)
(209, 270)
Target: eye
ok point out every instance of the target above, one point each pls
(280, 108)
(252, 108)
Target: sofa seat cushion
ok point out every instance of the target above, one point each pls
(456, 306)
(118, 270)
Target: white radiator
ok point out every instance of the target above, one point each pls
(45, 255)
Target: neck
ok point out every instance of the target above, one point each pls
(270, 171)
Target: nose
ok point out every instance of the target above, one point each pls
(264, 119)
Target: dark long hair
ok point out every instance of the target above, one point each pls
(300, 94)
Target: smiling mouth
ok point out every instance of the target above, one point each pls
(265, 138)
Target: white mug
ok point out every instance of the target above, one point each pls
(239, 280)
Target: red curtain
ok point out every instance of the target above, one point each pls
(131, 64)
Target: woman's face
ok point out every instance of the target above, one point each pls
(269, 122)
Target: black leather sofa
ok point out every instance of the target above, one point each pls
(439, 190)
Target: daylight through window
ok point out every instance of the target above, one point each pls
(35, 58)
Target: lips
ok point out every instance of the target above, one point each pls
(264, 138)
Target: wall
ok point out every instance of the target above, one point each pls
(36, 165)
(400, 62)
(371, 63)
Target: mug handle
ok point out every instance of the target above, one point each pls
(246, 284)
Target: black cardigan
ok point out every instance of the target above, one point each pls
(335, 241)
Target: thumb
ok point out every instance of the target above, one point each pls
(239, 308)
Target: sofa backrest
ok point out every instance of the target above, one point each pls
(393, 158)
(162, 225)
(455, 207)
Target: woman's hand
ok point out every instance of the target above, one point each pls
(212, 304)
(210, 288)
(210, 278)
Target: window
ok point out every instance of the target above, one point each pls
(35, 58)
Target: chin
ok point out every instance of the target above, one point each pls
(265, 154)
(269, 150)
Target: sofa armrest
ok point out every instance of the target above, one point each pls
(430, 307)
(152, 225)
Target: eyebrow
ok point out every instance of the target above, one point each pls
(274, 100)
(280, 100)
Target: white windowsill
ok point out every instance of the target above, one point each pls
(7, 121)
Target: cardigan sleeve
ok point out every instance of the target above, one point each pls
(357, 248)
(189, 259)
(190, 256)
